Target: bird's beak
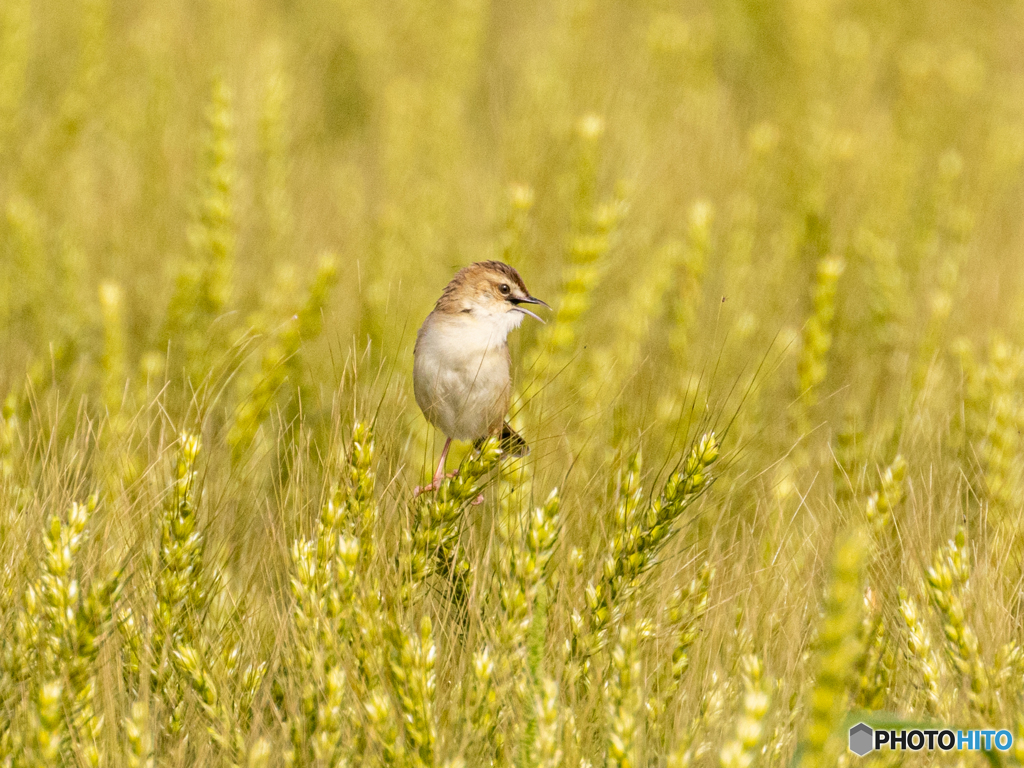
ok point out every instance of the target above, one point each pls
(530, 300)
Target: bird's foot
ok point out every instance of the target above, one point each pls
(432, 486)
(477, 501)
(428, 488)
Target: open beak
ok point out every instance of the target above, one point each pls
(530, 300)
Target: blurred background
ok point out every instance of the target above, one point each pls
(795, 223)
(680, 169)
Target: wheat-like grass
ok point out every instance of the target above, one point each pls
(922, 657)
(812, 365)
(203, 286)
(992, 414)
(180, 587)
(139, 737)
(275, 139)
(692, 741)
(888, 284)
(513, 236)
(624, 701)
(740, 750)
(330, 614)
(433, 544)
(947, 578)
(883, 503)
(686, 294)
(549, 753)
(878, 660)
(55, 647)
(685, 611)
(192, 667)
(850, 468)
(685, 192)
(593, 228)
(640, 535)
(413, 680)
(839, 648)
(281, 361)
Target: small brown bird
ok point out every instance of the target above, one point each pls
(461, 371)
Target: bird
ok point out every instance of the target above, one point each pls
(461, 362)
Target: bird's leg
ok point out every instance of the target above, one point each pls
(438, 475)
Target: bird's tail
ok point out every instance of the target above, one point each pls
(511, 442)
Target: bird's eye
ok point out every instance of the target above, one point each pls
(504, 289)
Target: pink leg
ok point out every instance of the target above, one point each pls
(438, 475)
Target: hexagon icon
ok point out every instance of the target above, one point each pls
(862, 739)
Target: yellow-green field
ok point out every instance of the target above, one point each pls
(776, 479)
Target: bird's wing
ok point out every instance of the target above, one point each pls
(511, 442)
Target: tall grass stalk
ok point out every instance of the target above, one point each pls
(203, 287)
(838, 650)
(685, 191)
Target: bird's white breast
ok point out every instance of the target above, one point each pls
(461, 372)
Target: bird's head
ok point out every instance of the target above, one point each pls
(489, 290)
